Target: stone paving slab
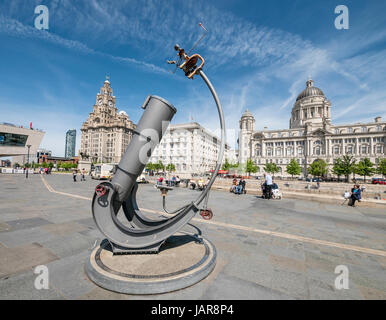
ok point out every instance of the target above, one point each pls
(61, 229)
(228, 287)
(15, 260)
(27, 223)
(250, 265)
(25, 236)
(69, 244)
(21, 287)
(4, 227)
(67, 275)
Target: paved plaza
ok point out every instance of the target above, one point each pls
(285, 249)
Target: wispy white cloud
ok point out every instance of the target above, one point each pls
(15, 28)
(268, 66)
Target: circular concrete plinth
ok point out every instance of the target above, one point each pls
(183, 260)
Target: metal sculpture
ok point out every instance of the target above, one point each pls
(140, 233)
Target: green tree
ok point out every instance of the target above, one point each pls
(50, 165)
(235, 165)
(271, 168)
(381, 168)
(337, 168)
(159, 166)
(171, 167)
(226, 165)
(150, 166)
(250, 167)
(365, 168)
(293, 168)
(318, 168)
(348, 165)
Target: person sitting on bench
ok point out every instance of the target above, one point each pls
(268, 186)
(355, 195)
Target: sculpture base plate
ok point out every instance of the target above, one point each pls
(182, 261)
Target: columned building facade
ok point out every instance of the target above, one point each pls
(310, 136)
(190, 147)
(107, 132)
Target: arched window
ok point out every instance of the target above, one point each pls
(364, 149)
(289, 151)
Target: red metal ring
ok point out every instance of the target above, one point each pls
(100, 190)
(206, 214)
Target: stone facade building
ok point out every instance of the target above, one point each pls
(310, 136)
(190, 147)
(107, 132)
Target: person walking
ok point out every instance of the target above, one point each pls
(83, 177)
(74, 173)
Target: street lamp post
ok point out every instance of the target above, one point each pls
(26, 171)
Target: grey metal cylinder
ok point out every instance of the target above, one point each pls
(147, 135)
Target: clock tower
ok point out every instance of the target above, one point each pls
(107, 132)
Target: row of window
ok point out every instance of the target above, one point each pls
(336, 131)
(351, 130)
(364, 149)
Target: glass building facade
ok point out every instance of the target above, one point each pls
(12, 139)
(70, 143)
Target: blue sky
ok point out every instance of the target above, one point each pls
(258, 55)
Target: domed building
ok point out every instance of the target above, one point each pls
(311, 106)
(310, 136)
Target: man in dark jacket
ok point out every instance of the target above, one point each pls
(241, 187)
(355, 195)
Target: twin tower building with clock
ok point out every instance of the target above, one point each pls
(107, 131)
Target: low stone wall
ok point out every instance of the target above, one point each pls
(326, 188)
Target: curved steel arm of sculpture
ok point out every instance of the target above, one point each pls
(141, 233)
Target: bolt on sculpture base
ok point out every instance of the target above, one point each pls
(182, 261)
